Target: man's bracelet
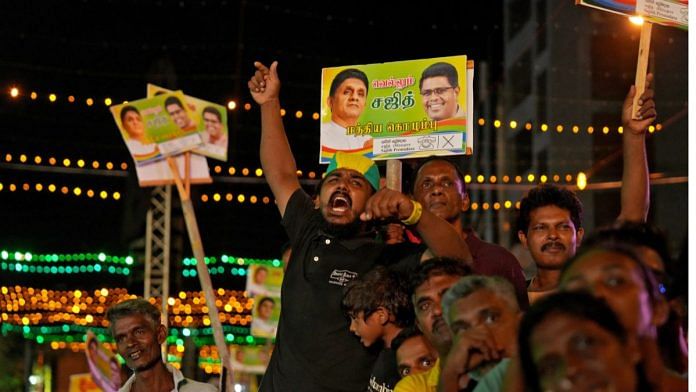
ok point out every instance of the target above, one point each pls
(415, 214)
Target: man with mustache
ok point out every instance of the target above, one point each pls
(429, 281)
(136, 327)
(550, 218)
(332, 245)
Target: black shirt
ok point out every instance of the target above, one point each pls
(385, 374)
(315, 351)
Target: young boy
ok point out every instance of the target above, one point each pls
(379, 307)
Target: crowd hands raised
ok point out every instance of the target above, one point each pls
(425, 305)
(438, 309)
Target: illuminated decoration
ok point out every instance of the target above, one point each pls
(15, 92)
(581, 181)
(66, 190)
(63, 317)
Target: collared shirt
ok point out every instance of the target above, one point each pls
(334, 136)
(181, 384)
(494, 260)
(315, 350)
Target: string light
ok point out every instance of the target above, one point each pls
(15, 92)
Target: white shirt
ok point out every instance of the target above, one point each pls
(181, 384)
(334, 136)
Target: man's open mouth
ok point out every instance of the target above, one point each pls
(340, 202)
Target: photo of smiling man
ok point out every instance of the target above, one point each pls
(439, 89)
(346, 100)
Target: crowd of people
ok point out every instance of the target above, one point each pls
(432, 307)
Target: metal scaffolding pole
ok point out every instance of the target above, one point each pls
(157, 246)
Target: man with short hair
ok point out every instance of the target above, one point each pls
(136, 327)
(439, 88)
(212, 119)
(332, 245)
(439, 186)
(178, 114)
(347, 98)
(483, 314)
(550, 217)
(429, 281)
(550, 227)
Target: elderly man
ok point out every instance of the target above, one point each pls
(135, 325)
(483, 314)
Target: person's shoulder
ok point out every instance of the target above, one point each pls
(414, 382)
(188, 385)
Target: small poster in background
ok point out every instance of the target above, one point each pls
(264, 280)
(157, 127)
(103, 365)
(264, 316)
(211, 119)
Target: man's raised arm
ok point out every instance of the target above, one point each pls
(635, 187)
(277, 160)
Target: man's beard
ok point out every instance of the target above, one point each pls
(344, 230)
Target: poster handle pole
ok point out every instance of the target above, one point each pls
(203, 274)
(642, 66)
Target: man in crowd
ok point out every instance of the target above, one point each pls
(136, 327)
(550, 220)
(429, 281)
(332, 245)
(483, 314)
(439, 186)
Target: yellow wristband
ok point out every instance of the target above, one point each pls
(415, 214)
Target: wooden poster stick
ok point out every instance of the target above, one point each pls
(394, 174)
(642, 67)
(187, 171)
(203, 275)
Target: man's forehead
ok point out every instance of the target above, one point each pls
(437, 80)
(435, 168)
(345, 172)
(438, 282)
(130, 321)
(352, 82)
(550, 212)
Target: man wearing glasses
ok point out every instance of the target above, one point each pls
(439, 87)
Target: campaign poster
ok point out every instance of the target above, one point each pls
(251, 359)
(103, 365)
(157, 127)
(264, 316)
(665, 12)
(264, 280)
(211, 119)
(397, 110)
